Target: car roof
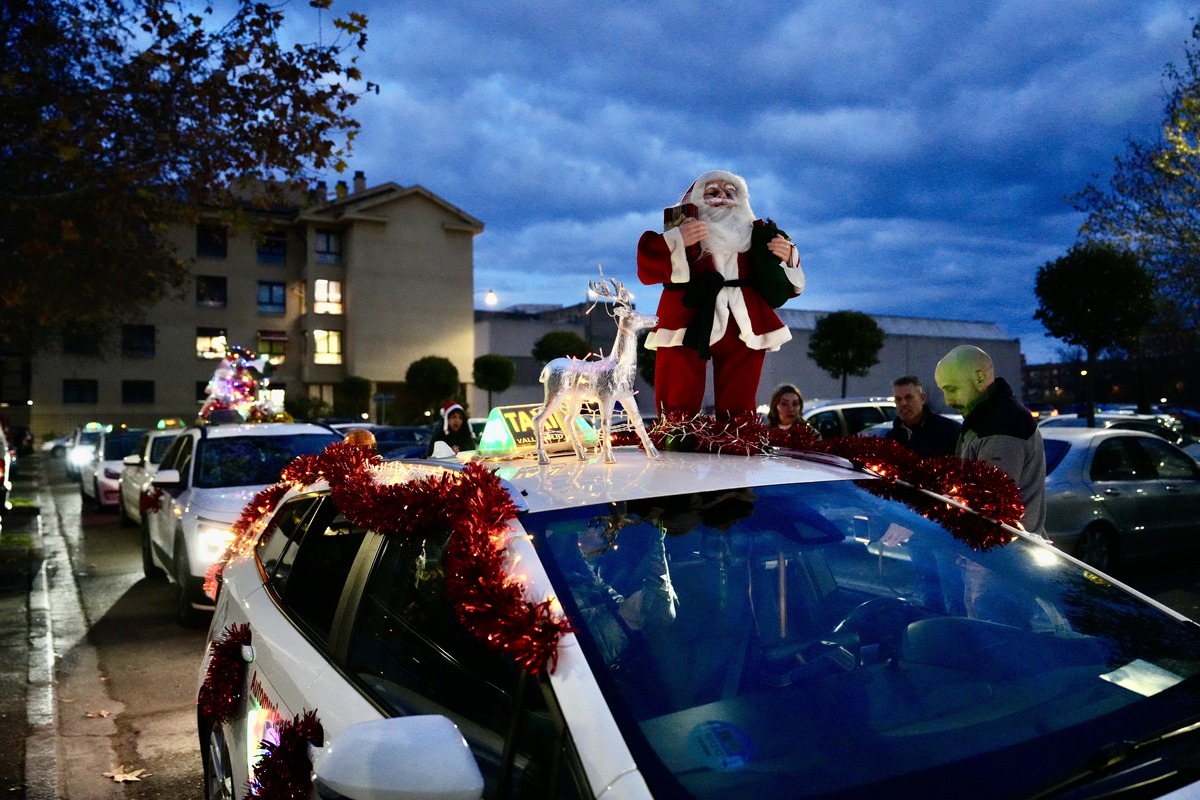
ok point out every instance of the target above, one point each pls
(1066, 433)
(568, 482)
(260, 429)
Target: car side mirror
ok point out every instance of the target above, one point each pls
(132, 460)
(166, 477)
(400, 757)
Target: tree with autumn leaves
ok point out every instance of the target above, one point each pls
(123, 117)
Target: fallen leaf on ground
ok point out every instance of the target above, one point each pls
(121, 776)
(102, 713)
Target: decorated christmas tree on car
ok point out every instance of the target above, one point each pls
(238, 392)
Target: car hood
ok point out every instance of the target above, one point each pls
(223, 504)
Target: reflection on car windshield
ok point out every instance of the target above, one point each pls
(119, 445)
(252, 460)
(794, 641)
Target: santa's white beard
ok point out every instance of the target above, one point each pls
(728, 228)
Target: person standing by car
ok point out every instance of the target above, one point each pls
(916, 426)
(996, 428)
(787, 404)
(454, 430)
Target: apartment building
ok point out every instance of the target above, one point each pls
(361, 282)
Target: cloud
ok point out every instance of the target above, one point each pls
(920, 154)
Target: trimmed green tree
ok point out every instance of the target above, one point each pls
(1098, 297)
(557, 344)
(123, 117)
(433, 380)
(846, 343)
(494, 373)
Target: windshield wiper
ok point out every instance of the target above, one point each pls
(1127, 759)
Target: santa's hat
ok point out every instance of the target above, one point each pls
(695, 192)
(446, 410)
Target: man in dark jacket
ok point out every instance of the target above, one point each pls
(996, 428)
(916, 426)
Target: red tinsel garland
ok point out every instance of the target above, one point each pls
(982, 487)
(472, 503)
(285, 771)
(226, 672)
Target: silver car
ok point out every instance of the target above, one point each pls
(1114, 494)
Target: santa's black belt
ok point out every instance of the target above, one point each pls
(701, 293)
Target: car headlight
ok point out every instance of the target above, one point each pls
(81, 456)
(213, 538)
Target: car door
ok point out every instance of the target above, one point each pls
(160, 522)
(409, 651)
(1174, 508)
(305, 558)
(1123, 481)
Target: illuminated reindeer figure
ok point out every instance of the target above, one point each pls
(571, 382)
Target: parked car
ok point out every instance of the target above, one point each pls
(401, 441)
(1161, 425)
(82, 447)
(6, 463)
(136, 470)
(1115, 494)
(848, 416)
(740, 627)
(207, 476)
(99, 478)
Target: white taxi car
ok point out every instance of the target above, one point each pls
(205, 479)
(719, 627)
(138, 467)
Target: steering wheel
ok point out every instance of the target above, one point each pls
(879, 621)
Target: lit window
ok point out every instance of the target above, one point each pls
(329, 247)
(327, 297)
(273, 345)
(210, 342)
(272, 297)
(327, 347)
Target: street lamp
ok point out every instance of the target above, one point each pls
(489, 297)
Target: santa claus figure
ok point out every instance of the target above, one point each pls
(723, 273)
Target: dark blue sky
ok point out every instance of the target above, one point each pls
(919, 153)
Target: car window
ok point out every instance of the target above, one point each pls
(409, 651)
(252, 460)
(158, 448)
(312, 571)
(278, 538)
(1055, 450)
(1168, 462)
(1115, 460)
(171, 457)
(859, 417)
(181, 457)
(117, 446)
(827, 424)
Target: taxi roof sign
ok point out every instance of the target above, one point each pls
(509, 432)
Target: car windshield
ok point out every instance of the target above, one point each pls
(119, 445)
(253, 460)
(803, 640)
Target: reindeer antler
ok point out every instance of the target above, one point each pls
(601, 289)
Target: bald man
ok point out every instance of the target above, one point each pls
(996, 428)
